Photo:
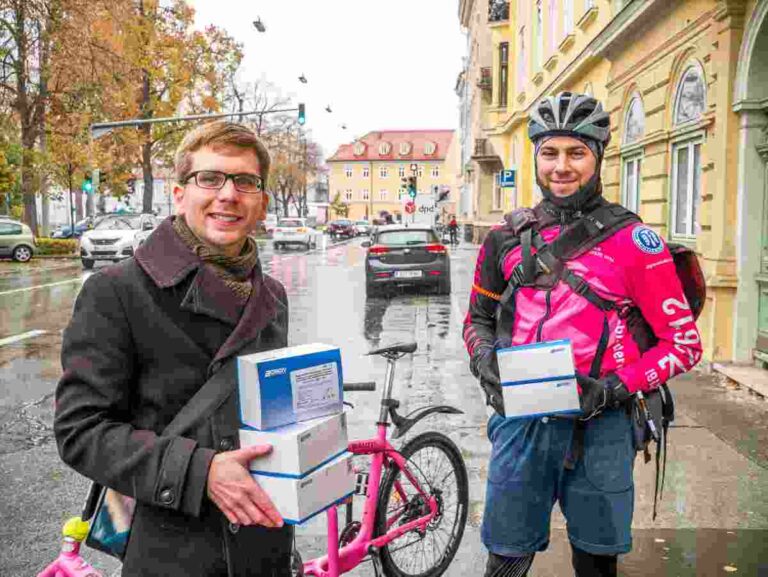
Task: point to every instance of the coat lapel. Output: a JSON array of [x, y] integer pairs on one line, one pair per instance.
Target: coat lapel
[[260, 310], [167, 261]]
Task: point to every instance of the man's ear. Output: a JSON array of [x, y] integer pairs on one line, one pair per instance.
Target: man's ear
[[178, 197]]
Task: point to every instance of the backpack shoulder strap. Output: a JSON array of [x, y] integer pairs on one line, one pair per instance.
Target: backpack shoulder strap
[[592, 229]]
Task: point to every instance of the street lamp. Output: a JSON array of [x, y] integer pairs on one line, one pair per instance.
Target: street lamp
[[303, 79], [259, 25], [328, 108]]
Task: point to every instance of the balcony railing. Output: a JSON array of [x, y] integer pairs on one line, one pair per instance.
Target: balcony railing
[[498, 11]]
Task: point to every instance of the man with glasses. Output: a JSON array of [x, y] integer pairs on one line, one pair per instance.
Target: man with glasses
[[146, 335]]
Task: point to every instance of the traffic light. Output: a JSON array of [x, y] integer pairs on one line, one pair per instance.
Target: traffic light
[[87, 185], [302, 114], [412, 186]]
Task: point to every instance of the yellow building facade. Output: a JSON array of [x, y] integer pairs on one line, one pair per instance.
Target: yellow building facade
[[686, 85], [366, 175]]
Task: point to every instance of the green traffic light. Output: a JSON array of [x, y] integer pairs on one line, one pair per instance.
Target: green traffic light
[[302, 113], [87, 185]]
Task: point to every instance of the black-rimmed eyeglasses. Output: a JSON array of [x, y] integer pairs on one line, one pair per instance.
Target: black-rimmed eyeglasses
[[215, 180]]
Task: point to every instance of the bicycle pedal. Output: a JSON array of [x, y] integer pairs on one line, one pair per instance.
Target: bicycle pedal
[[361, 484]]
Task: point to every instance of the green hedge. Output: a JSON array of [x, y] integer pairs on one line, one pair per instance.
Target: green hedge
[[56, 245]]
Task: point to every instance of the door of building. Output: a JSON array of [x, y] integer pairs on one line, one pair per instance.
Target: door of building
[[761, 346]]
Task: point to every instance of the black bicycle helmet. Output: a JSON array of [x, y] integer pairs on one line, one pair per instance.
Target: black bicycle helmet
[[570, 114]]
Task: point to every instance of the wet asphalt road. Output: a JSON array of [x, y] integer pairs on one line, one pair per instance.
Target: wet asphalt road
[[713, 519]]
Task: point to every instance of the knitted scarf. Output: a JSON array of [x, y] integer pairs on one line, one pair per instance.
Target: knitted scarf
[[234, 271]]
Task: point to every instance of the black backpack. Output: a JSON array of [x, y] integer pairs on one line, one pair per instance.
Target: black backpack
[[546, 267]]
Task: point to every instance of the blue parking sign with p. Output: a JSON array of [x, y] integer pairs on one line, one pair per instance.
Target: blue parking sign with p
[[508, 178]]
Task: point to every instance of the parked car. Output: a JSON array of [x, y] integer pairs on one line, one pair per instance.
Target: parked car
[[16, 240], [401, 255], [363, 227], [65, 231], [341, 229], [293, 231], [114, 237], [270, 222]]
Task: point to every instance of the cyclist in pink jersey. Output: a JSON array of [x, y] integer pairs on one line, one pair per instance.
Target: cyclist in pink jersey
[[598, 298]]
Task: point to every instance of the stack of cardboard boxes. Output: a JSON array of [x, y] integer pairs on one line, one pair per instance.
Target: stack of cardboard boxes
[[292, 399]]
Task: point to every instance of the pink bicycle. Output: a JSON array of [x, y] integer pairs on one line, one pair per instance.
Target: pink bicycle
[[416, 498]]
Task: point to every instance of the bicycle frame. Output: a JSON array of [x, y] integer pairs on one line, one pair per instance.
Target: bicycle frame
[[341, 560]]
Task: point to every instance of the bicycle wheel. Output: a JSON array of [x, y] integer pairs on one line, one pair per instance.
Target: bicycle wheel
[[436, 463]]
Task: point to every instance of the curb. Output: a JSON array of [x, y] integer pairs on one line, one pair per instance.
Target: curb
[[751, 377]]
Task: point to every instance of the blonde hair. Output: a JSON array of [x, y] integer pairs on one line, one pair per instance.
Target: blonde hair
[[215, 135]]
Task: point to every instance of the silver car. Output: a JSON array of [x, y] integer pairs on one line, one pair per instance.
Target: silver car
[[403, 255]]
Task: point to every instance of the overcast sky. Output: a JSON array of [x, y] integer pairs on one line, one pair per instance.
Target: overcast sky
[[388, 64]]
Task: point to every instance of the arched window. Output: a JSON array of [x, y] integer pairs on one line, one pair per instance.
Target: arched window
[[634, 124], [690, 105], [691, 97]]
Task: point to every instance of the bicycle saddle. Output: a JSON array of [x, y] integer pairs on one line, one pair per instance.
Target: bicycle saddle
[[395, 349]]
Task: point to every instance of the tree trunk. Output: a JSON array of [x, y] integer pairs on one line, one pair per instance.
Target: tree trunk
[[79, 204], [146, 147], [146, 167]]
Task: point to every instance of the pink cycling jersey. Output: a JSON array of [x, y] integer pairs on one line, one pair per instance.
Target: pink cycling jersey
[[632, 267]]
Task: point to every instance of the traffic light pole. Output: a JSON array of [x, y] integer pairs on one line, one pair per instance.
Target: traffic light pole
[[99, 129]]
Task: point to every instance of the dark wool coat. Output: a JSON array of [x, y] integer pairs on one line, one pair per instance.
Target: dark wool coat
[[144, 336]]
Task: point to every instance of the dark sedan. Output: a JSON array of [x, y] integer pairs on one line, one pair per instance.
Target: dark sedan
[[401, 255], [342, 229]]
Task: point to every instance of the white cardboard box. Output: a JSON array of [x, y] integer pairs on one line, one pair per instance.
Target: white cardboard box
[[538, 379], [298, 448], [300, 497], [288, 385]]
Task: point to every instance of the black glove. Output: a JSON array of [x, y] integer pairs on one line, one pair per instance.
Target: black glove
[[485, 367], [600, 394]]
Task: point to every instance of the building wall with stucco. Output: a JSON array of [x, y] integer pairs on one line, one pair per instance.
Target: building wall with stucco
[[686, 86]]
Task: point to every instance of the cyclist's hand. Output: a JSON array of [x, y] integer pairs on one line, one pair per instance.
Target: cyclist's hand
[[599, 394], [236, 493], [486, 367]]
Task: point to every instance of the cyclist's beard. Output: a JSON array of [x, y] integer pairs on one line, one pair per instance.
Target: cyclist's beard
[[582, 199]]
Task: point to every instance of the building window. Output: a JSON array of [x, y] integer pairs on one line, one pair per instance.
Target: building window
[[385, 148], [366, 172], [588, 4], [539, 46], [521, 59], [383, 172], [401, 171], [348, 171], [348, 194], [435, 172], [420, 172], [691, 98], [686, 188], [382, 195], [630, 183], [404, 148], [366, 194], [634, 125], [497, 192], [429, 148], [503, 72], [567, 16]]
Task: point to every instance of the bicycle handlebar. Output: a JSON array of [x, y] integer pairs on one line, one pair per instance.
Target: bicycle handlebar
[[364, 386]]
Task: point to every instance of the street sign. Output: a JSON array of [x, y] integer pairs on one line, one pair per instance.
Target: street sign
[[414, 168], [410, 207], [508, 178]]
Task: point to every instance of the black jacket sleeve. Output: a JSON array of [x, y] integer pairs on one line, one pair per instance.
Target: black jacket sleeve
[[92, 422], [488, 284]]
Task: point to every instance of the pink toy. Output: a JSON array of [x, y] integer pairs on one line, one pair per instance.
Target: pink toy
[[69, 563]]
